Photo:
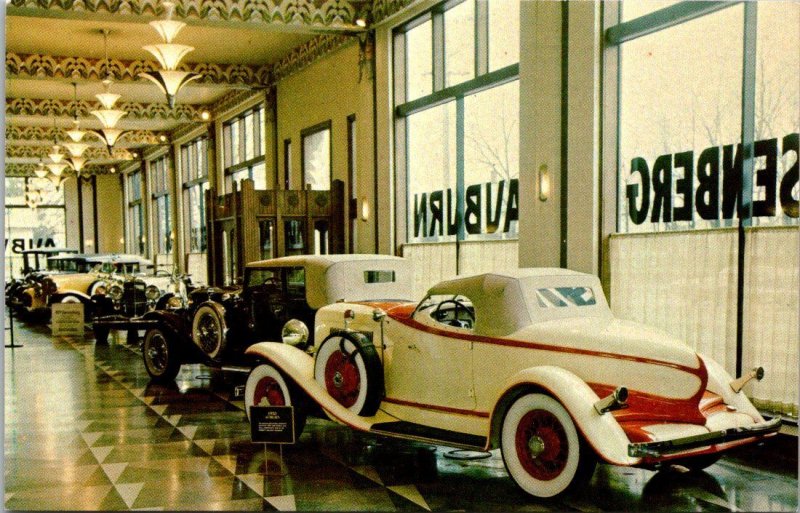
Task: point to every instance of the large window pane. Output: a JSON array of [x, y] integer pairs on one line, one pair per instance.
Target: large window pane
[[27, 228], [678, 98], [777, 114], [317, 159], [432, 174], [419, 61], [15, 191], [491, 162], [503, 33], [459, 43]]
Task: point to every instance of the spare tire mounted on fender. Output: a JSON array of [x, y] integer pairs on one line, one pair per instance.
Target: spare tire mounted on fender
[[349, 369], [209, 330]]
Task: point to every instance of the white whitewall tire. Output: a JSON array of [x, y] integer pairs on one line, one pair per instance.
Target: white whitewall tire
[[541, 446], [209, 330], [347, 366], [266, 387]]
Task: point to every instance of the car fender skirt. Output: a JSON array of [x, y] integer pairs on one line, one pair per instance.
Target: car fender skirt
[[299, 366], [602, 432]]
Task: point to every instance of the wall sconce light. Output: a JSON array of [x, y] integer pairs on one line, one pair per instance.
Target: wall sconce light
[[89, 242], [364, 209], [122, 240], [205, 115], [544, 183]]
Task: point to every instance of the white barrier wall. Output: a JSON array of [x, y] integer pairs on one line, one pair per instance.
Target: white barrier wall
[[685, 284], [197, 267], [436, 262]]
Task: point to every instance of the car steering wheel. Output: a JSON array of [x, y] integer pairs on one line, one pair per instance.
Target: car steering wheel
[[455, 321]]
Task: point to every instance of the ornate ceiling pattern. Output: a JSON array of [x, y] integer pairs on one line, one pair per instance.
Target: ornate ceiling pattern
[[314, 13], [242, 49], [74, 68], [38, 135], [61, 108], [19, 170], [40, 152]]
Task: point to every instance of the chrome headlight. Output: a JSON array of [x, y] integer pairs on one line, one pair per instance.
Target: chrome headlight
[[174, 302], [152, 293], [115, 292], [294, 333]]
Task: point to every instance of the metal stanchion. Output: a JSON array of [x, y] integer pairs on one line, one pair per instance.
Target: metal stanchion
[[10, 328]]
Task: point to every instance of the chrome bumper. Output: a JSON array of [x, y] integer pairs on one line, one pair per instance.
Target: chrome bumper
[[664, 447]]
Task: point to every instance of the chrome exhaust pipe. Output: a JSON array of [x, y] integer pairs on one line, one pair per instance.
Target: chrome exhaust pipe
[[739, 383], [617, 400]]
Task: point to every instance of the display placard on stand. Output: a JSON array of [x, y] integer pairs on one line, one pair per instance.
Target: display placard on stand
[[67, 319], [272, 424]]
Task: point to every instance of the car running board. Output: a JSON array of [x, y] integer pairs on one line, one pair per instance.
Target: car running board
[[418, 432]]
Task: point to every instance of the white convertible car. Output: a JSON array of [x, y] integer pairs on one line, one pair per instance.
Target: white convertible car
[[531, 362]]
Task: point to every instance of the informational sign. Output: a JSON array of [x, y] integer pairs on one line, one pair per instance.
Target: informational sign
[[272, 424], [67, 319]]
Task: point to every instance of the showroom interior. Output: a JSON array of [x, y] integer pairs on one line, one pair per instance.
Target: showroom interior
[[652, 146]]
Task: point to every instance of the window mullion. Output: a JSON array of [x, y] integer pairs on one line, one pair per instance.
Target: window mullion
[[438, 51], [481, 37]]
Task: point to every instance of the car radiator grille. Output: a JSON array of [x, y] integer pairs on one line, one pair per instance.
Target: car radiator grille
[[134, 301]]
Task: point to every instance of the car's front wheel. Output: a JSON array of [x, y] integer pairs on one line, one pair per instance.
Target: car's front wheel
[[542, 448], [267, 386], [161, 358]]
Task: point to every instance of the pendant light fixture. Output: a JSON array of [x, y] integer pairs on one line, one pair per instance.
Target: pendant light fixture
[[76, 147], [169, 55], [40, 171], [108, 115]]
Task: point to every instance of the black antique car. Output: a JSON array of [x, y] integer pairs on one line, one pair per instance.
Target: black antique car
[[276, 302]]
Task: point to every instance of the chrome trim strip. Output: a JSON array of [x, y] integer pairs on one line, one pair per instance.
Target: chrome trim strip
[[664, 447]]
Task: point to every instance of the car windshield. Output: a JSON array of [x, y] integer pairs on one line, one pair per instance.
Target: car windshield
[[256, 277], [452, 310]]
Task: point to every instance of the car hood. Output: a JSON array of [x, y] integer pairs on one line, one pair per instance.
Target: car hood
[[614, 336]]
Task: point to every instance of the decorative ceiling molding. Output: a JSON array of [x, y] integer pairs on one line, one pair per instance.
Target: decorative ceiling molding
[[45, 135], [72, 68], [310, 13], [51, 108], [306, 54], [16, 170], [41, 152], [382, 9], [183, 131]]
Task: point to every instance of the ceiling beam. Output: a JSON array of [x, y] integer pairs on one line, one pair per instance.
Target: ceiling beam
[[297, 15], [12, 169], [81, 68], [41, 152], [60, 108]]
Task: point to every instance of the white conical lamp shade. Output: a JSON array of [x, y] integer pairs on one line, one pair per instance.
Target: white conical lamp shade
[[109, 117], [107, 99], [77, 163], [56, 169], [168, 55], [56, 154], [76, 134], [170, 82], [40, 172], [76, 149], [57, 180], [167, 29]]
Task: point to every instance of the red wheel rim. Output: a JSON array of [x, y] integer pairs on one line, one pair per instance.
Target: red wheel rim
[[342, 379], [542, 445], [269, 388]]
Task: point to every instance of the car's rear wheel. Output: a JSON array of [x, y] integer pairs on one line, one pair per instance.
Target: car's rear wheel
[[542, 448], [209, 329], [349, 369], [161, 358], [267, 386]]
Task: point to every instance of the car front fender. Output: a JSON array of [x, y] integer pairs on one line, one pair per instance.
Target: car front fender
[[59, 296], [299, 366], [601, 431]]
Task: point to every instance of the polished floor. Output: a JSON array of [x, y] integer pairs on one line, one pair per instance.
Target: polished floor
[[84, 430]]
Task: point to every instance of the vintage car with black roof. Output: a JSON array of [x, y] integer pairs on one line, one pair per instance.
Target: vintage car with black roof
[[529, 361], [278, 297]]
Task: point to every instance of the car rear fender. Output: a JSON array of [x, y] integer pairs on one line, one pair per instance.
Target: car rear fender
[[602, 432], [299, 366]]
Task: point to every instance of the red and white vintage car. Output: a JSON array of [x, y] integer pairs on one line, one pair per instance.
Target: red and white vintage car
[[531, 361]]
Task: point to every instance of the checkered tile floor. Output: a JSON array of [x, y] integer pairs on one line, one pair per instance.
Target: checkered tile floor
[[85, 430]]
